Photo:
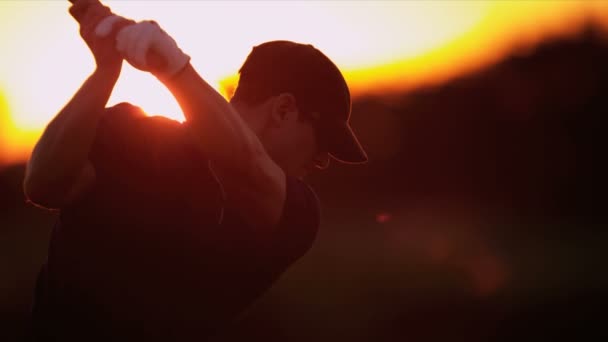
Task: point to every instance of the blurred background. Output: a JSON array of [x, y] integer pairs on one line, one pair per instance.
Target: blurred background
[[480, 215]]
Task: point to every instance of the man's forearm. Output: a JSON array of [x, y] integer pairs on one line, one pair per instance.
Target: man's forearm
[[62, 150], [219, 130]]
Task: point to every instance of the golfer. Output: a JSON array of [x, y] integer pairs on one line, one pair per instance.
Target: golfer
[[167, 230]]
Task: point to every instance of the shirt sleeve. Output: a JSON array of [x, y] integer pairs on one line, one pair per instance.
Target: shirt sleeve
[[127, 141], [298, 225]]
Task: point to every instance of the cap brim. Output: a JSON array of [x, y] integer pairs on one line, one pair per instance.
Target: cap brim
[[345, 147]]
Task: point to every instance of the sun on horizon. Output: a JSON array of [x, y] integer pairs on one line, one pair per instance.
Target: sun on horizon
[[381, 46]]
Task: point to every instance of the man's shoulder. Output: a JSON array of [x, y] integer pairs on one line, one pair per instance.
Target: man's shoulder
[[127, 125], [125, 113], [121, 113], [126, 107], [130, 142]]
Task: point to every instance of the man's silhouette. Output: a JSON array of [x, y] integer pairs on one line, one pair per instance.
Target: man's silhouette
[[167, 231]]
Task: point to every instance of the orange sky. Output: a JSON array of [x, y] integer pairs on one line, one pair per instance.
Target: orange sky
[[380, 46]]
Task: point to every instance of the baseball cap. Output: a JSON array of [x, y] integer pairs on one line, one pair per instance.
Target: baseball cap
[[317, 84]]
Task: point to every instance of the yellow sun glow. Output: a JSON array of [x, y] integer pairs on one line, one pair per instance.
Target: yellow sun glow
[[380, 46]]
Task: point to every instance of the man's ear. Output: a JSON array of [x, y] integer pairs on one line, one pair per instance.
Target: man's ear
[[284, 108]]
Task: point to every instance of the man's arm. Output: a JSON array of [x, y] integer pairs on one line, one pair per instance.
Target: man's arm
[[58, 169], [253, 182]]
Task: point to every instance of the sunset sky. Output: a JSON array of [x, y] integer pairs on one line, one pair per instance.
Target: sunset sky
[[380, 46]]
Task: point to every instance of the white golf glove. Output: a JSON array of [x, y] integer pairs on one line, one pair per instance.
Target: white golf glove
[[105, 26], [147, 47]]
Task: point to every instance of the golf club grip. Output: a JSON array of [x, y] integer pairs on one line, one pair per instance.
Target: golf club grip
[[155, 61]]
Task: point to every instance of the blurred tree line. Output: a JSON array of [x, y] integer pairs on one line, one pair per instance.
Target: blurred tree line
[[479, 217]]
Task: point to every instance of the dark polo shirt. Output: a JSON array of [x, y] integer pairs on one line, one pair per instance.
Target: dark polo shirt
[[151, 252]]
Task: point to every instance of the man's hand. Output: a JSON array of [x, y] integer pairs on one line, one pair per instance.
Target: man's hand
[[98, 28], [148, 47]]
